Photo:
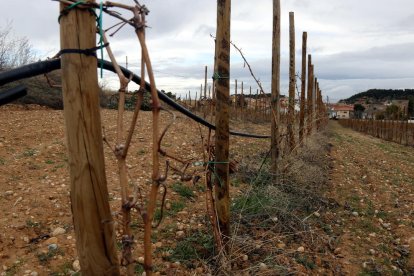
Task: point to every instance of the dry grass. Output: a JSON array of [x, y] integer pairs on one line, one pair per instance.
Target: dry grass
[[277, 214]]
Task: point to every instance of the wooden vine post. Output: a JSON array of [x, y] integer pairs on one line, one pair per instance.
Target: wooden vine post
[[292, 84], [93, 223], [250, 101], [221, 162], [275, 105], [235, 99], [309, 95], [314, 99], [315, 103], [241, 101], [205, 82], [205, 106], [303, 89], [318, 106]]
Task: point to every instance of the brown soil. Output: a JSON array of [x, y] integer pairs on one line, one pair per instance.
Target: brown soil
[[369, 231], [373, 181], [34, 188]]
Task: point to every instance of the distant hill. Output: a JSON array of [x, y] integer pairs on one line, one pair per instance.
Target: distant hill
[[381, 95]]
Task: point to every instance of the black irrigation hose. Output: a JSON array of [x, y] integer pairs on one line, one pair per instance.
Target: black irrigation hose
[[12, 94], [46, 66]]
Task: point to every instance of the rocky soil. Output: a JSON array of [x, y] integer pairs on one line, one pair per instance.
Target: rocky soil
[[37, 237], [362, 225], [373, 181]]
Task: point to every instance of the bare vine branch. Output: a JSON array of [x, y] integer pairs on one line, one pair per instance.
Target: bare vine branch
[[251, 72]]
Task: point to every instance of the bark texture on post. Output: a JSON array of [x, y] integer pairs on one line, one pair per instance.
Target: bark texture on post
[[309, 99], [275, 142], [221, 182], [93, 223], [292, 84], [303, 89]]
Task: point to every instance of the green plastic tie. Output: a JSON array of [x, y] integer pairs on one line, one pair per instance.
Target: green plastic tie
[[99, 20], [214, 170], [218, 162], [68, 8], [217, 76]]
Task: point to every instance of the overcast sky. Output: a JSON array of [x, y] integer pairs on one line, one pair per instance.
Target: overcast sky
[[355, 44]]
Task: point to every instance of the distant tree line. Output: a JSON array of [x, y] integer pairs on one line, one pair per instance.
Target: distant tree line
[[381, 95]]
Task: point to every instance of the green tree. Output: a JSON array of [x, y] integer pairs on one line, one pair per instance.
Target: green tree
[[169, 94], [410, 110], [359, 110], [393, 112]]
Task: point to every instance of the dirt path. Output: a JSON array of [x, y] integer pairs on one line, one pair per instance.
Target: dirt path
[[373, 181]]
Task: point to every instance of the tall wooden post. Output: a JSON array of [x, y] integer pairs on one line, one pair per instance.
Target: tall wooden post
[[241, 101], [213, 90], [309, 96], [257, 100], [205, 82], [275, 102], [292, 84], [263, 104], [256, 108], [235, 99], [93, 223], [317, 106], [250, 101], [221, 182], [320, 106], [315, 103], [303, 89]]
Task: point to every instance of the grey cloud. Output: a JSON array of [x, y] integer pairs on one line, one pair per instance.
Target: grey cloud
[[204, 30], [341, 89], [391, 61], [180, 44]]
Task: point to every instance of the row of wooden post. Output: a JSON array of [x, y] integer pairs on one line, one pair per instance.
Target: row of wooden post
[[92, 218], [401, 132], [253, 107], [314, 113], [312, 109]]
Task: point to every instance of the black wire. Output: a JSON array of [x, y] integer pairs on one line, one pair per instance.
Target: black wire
[[46, 66], [87, 52], [12, 94]]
